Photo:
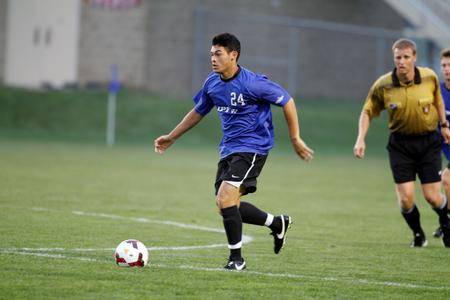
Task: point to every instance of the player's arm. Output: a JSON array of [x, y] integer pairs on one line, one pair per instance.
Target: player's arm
[[290, 114], [445, 131], [191, 119], [363, 128]]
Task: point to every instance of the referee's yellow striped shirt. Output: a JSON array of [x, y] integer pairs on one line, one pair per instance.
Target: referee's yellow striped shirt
[[412, 108]]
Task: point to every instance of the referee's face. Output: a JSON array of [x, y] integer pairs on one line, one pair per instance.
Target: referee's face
[[404, 60], [221, 60], [445, 68]]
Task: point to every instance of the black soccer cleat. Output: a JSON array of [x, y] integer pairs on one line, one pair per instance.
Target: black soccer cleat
[[235, 265], [280, 238], [438, 232], [419, 240], [446, 236]]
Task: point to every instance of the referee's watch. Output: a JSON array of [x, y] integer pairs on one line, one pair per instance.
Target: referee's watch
[[444, 124]]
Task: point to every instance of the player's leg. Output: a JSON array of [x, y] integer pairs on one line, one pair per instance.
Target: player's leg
[[432, 194], [446, 185], [278, 224], [227, 201], [231, 173], [252, 165], [410, 212]]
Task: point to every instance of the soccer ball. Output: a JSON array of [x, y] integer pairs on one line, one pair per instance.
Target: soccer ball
[[131, 253]]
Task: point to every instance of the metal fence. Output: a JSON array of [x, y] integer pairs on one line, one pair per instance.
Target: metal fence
[[311, 58]]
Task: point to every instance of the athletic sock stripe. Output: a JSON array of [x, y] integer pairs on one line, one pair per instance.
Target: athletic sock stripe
[[235, 246]]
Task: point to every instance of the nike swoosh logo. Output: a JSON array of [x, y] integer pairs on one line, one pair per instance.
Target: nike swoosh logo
[[234, 176], [240, 267], [283, 229]]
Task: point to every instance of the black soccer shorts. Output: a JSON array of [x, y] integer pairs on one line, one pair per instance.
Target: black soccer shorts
[[411, 155], [243, 168]]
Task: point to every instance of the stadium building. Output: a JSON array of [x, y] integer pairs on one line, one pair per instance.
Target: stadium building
[[316, 48]]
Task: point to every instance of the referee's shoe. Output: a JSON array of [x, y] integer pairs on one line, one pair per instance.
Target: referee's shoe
[[279, 238]]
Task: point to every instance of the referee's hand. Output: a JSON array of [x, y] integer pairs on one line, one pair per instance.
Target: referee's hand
[[359, 149], [445, 131]]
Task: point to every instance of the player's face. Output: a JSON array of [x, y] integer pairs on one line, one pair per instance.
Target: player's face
[[445, 68], [221, 60], [404, 60]]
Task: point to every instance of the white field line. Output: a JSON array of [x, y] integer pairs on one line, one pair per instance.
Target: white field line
[[173, 248], [245, 238], [245, 273]]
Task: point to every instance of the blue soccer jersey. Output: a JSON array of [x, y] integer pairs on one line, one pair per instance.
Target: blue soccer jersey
[[446, 96], [243, 104]]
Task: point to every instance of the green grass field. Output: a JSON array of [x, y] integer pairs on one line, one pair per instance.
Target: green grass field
[[64, 206]]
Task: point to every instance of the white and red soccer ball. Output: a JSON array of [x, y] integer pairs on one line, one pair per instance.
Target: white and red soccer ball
[[131, 253]]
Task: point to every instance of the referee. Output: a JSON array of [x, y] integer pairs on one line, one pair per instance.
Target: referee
[[412, 97]]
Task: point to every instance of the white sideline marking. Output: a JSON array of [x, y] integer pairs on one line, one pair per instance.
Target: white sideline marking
[[58, 256], [243, 273], [245, 238], [174, 248]]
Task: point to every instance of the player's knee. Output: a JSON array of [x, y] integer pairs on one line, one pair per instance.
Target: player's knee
[[406, 201], [223, 202], [446, 181]]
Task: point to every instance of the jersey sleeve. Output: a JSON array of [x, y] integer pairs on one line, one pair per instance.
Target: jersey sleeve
[[266, 90], [203, 104], [438, 99], [374, 102]]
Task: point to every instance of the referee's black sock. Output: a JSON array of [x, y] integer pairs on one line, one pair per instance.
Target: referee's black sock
[[252, 215], [233, 228], [412, 217], [442, 213]]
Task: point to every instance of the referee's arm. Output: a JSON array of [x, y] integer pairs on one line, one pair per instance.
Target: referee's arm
[[363, 128], [443, 123]]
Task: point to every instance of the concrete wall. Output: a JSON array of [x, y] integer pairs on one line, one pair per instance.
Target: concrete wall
[[329, 65], [113, 37], [157, 45]]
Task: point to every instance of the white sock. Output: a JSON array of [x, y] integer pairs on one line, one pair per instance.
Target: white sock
[[269, 220]]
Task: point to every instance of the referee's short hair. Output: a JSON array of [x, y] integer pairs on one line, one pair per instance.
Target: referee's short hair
[[445, 52], [228, 41], [404, 43]]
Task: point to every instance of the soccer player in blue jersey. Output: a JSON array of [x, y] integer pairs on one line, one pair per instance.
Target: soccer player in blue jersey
[[445, 91], [242, 100]]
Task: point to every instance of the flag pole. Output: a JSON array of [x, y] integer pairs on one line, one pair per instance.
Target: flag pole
[[114, 86]]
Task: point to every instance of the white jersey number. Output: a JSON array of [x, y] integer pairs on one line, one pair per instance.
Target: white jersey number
[[237, 99]]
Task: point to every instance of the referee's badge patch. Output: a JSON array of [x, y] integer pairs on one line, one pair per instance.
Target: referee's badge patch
[[393, 106]]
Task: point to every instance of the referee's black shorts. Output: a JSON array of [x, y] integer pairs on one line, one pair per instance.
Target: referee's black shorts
[[242, 169], [418, 154]]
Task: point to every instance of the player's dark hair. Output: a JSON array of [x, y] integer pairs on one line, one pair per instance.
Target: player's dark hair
[[404, 43], [229, 41], [445, 52]]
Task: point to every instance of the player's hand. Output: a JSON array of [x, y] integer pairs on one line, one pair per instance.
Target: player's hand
[[162, 143], [445, 131], [359, 149], [302, 149]]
